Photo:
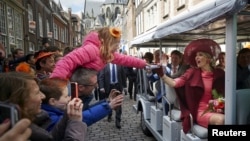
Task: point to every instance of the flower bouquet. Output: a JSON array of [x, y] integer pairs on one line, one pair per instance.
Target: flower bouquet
[[217, 104]]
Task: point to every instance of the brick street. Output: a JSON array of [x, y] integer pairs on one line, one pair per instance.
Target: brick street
[[130, 131]]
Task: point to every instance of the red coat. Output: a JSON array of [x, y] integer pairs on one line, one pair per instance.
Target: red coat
[[191, 93]]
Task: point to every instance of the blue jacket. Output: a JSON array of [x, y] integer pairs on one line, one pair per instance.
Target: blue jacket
[[91, 115]]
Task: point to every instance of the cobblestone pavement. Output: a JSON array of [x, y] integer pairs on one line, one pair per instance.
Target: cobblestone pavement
[[130, 131]]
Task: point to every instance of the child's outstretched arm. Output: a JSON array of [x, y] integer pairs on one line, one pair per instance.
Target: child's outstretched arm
[[128, 61]]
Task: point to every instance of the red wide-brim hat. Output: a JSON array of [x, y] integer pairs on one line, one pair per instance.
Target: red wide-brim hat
[[201, 45]]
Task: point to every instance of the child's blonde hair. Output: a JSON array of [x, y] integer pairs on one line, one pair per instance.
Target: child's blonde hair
[[108, 36]]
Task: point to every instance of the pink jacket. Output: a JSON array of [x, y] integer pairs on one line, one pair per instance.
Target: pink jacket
[[88, 56]]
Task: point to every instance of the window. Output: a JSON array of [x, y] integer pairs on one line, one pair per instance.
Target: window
[[139, 24], [3, 31], [181, 3], [19, 30], [30, 15], [166, 7], [147, 18], [40, 24], [47, 24], [151, 17], [31, 47], [55, 31], [10, 20], [62, 35], [19, 44], [137, 3], [18, 26], [65, 35]]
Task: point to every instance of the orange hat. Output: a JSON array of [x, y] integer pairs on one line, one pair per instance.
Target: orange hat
[[204, 45], [43, 54], [23, 67], [115, 32]]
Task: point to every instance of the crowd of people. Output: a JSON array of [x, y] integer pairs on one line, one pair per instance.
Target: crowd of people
[[39, 84]]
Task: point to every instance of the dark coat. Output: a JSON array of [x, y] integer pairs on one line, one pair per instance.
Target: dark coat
[[191, 93], [242, 77], [104, 78], [131, 73]]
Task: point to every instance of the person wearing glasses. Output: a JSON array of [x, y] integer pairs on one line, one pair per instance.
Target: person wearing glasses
[[87, 82], [57, 98]]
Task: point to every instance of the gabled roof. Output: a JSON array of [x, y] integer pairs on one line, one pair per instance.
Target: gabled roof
[[60, 5]]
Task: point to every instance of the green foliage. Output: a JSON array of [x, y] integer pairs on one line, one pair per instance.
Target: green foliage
[[215, 94]]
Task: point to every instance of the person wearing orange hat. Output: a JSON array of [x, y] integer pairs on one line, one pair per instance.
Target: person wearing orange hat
[[194, 88], [98, 49], [45, 63]]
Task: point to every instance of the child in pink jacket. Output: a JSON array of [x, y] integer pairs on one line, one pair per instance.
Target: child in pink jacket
[[98, 49]]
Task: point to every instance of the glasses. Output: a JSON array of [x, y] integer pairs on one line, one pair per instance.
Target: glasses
[[89, 85]]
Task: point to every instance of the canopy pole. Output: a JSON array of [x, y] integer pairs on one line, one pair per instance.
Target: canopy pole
[[230, 79]]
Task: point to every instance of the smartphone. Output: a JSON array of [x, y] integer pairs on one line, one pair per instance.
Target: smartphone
[[9, 111], [74, 90]]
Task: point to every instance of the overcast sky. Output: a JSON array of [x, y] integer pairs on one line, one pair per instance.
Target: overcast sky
[[77, 6]]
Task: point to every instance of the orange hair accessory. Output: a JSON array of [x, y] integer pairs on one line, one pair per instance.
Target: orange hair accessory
[[23, 67], [115, 32]]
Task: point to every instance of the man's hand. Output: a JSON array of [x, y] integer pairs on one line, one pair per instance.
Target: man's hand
[[116, 102], [113, 94]]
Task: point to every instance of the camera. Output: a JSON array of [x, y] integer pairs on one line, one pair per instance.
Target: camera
[[9, 111]]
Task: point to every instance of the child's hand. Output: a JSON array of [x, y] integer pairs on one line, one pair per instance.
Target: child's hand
[[74, 109]]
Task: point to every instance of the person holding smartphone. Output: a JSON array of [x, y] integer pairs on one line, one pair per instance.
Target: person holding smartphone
[[57, 97], [22, 89]]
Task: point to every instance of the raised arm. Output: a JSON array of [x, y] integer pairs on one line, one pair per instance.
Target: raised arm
[[169, 81]]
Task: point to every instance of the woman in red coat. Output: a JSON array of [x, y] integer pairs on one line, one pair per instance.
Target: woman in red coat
[[194, 88]]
